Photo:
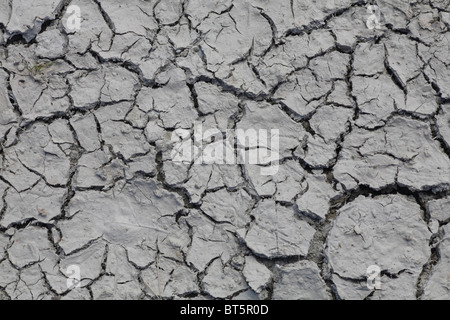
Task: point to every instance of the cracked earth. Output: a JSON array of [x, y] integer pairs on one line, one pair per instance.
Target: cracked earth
[[87, 180]]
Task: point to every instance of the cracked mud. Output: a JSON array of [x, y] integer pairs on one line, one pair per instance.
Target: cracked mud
[[89, 187]]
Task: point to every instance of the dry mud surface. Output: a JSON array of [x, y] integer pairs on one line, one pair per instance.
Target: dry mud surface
[[89, 189]]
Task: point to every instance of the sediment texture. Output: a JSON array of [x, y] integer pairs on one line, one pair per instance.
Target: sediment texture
[[87, 178]]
